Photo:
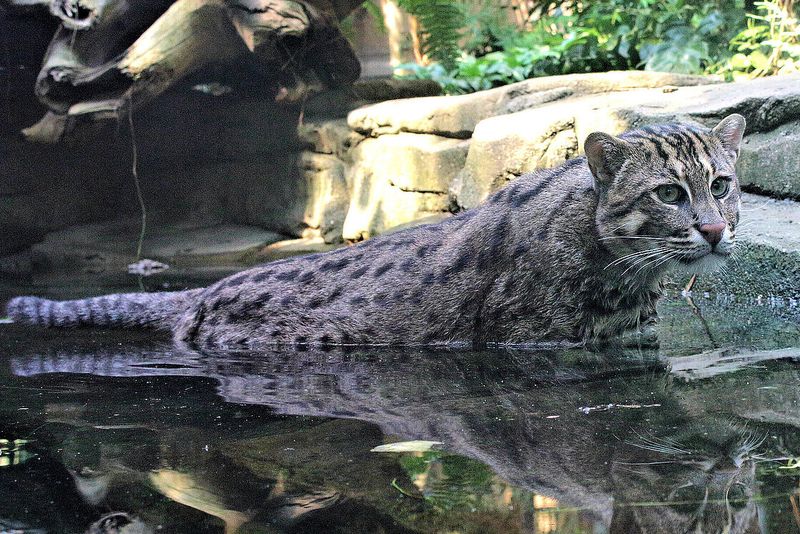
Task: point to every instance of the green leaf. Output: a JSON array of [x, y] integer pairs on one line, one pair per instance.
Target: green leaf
[[740, 62], [758, 59]]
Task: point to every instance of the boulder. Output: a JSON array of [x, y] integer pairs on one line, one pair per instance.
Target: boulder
[[507, 145], [27, 217], [326, 196], [772, 223], [297, 194], [380, 89], [329, 137], [457, 116], [290, 247], [111, 246], [770, 161], [395, 179]]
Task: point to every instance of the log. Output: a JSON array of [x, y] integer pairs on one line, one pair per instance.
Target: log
[[108, 54], [723, 361], [20, 7]]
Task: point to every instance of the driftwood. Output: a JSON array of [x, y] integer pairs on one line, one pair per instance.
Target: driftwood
[[108, 54], [722, 361]]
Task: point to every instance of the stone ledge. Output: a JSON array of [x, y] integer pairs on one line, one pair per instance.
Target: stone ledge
[[769, 105], [457, 116], [770, 222], [770, 161], [111, 246]]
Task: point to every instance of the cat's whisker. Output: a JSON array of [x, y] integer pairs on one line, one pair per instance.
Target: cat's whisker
[[628, 256], [645, 463], [651, 238], [611, 231], [661, 449], [639, 260], [655, 444], [656, 254], [653, 264]]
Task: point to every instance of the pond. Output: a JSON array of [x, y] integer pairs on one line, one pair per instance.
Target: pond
[[108, 429]]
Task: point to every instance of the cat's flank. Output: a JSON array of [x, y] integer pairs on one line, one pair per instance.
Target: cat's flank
[[575, 253]]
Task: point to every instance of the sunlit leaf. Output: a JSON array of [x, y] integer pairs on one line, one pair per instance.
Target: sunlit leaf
[[407, 446]]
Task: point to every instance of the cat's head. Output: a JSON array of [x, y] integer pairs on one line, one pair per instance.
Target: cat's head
[[699, 479], [668, 195]]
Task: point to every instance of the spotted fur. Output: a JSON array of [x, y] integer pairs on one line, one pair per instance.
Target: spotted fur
[[573, 253]]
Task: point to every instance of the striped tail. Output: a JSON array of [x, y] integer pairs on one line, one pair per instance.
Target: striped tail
[[148, 310]]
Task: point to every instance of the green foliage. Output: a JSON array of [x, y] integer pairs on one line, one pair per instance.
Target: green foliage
[[769, 45], [441, 23], [452, 482], [491, 70], [374, 10], [673, 35], [680, 36]]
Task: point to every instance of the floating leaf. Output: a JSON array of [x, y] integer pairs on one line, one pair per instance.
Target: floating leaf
[[408, 446]]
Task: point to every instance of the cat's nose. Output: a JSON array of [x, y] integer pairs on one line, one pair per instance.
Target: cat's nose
[[712, 232]]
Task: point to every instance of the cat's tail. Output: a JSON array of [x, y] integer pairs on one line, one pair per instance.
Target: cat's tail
[[148, 310]]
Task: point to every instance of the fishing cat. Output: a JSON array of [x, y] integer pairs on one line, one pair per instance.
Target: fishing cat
[[574, 253]]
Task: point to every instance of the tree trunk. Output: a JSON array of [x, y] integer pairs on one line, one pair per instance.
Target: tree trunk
[[109, 54]]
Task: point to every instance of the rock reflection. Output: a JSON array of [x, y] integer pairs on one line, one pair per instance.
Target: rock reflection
[[667, 453]]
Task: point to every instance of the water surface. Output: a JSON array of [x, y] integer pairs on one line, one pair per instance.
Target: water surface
[[703, 431]]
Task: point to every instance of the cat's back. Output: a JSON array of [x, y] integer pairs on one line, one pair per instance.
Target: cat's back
[[337, 297], [548, 197]]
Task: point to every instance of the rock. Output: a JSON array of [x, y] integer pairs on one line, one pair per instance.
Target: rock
[[279, 192], [301, 195], [329, 137], [339, 102], [375, 216], [506, 145], [290, 247], [26, 218], [430, 219], [770, 161], [766, 103], [380, 89], [396, 179], [111, 246], [457, 116], [770, 222], [326, 196], [16, 265]]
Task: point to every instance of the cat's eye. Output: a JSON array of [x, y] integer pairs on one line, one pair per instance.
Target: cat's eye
[[670, 193], [720, 187]]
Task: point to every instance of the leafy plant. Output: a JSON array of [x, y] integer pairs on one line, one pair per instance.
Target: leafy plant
[[769, 45], [441, 23], [665, 35], [491, 70]]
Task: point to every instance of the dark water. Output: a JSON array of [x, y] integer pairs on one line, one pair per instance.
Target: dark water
[[703, 433]]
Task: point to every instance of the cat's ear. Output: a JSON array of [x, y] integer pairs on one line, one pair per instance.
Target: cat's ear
[[730, 131], [606, 155]]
